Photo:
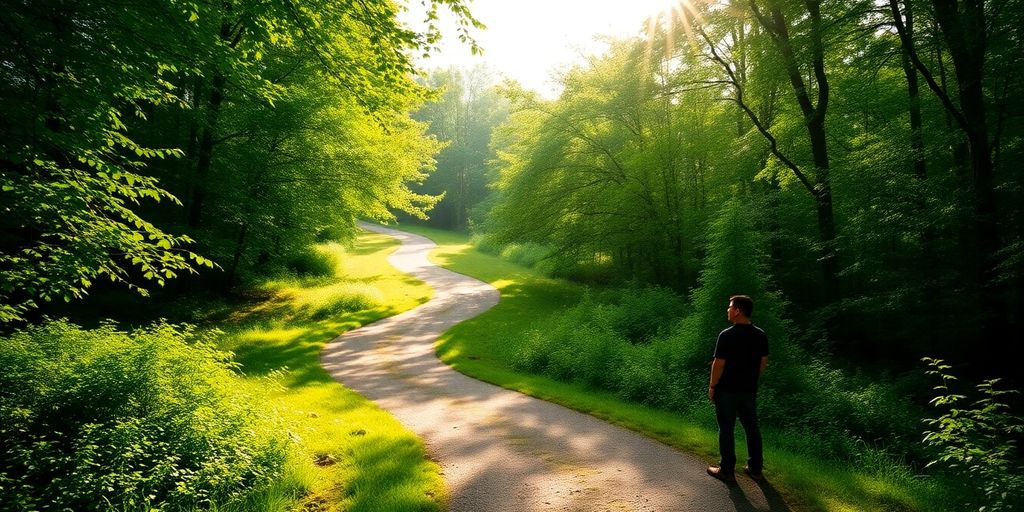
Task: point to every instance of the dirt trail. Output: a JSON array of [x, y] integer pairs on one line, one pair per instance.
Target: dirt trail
[[501, 450]]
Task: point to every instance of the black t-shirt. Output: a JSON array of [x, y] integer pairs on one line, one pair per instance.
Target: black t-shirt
[[742, 347]]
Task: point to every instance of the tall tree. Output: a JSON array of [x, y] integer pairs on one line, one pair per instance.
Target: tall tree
[[967, 29], [467, 109], [80, 81], [796, 52], [614, 173]]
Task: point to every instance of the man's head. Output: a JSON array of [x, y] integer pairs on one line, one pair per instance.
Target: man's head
[[740, 308]]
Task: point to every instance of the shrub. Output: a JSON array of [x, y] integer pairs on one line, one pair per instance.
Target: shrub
[[640, 378], [152, 419], [978, 441], [342, 299], [646, 312], [579, 346], [525, 254], [487, 243], [311, 262]]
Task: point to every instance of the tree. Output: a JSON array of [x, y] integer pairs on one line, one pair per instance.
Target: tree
[[82, 81], [799, 47], [462, 116], [71, 175], [966, 29], [615, 173]]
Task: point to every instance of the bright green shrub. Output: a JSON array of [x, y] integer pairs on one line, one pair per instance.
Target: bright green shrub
[[311, 263], [152, 419], [487, 243], [579, 346], [591, 344], [525, 254]]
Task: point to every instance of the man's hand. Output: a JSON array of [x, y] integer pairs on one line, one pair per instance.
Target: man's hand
[[717, 369]]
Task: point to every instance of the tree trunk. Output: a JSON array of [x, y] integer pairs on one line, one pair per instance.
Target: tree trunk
[[826, 218], [814, 118], [964, 31], [205, 152], [239, 249], [914, 98], [191, 147]]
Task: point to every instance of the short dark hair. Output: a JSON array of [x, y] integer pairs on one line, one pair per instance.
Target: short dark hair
[[744, 303]]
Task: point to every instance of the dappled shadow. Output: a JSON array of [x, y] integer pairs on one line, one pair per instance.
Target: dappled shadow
[[502, 450], [295, 353], [369, 245]]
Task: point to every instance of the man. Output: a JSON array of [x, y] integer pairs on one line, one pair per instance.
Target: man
[[741, 356]]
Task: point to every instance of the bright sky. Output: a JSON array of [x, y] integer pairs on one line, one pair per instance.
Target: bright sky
[[528, 40]]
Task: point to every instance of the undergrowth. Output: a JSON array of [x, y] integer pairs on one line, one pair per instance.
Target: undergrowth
[[149, 419]]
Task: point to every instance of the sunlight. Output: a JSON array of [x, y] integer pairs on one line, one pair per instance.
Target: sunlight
[[655, 7], [560, 38], [663, 14], [661, 20]]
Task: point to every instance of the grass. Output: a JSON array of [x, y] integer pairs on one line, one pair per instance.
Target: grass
[[351, 455], [483, 346]]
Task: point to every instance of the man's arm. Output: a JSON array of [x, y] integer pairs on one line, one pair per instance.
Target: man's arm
[[717, 367], [764, 364]]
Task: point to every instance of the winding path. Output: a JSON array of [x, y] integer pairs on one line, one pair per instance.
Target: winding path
[[500, 450]]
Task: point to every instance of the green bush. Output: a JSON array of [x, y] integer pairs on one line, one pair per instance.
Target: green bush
[[486, 243], [152, 419], [639, 377], [978, 440], [617, 340], [643, 313], [311, 263], [525, 254], [594, 343]]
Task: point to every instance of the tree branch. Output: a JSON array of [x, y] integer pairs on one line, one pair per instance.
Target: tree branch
[[772, 143], [908, 44]]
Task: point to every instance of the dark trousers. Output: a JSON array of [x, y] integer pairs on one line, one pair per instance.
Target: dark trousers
[[729, 406]]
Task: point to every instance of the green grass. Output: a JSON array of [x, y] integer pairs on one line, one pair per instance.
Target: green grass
[[351, 455], [483, 347]]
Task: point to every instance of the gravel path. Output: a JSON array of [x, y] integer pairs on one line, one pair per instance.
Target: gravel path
[[500, 450]]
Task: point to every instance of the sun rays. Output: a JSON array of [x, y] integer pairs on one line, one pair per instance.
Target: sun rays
[[663, 23]]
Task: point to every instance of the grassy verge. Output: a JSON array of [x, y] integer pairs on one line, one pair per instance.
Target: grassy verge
[[351, 455], [483, 347]]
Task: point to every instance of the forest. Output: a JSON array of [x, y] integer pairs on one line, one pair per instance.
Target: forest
[[848, 164], [852, 165]]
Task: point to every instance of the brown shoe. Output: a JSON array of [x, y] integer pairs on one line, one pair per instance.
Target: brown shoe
[[725, 476], [756, 475]]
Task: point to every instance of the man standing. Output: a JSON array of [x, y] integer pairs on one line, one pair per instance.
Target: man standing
[[741, 356]]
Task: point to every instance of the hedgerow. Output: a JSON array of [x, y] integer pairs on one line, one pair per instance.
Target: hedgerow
[[150, 419]]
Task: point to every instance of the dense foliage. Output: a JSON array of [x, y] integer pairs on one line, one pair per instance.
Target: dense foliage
[[462, 116], [152, 419], [979, 438], [648, 345], [848, 164], [132, 129], [891, 238], [142, 141]]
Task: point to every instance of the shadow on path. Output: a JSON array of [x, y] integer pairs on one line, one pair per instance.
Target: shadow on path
[[500, 450]]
